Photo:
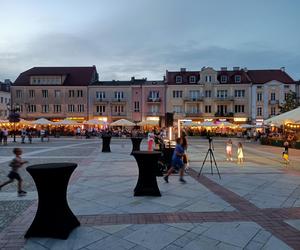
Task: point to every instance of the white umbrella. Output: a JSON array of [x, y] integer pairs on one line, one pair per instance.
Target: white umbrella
[[42, 121], [148, 122], [4, 121], [123, 122], [207, 124], [247, 126], [292, 116], [225, 124], [22, 121], [95, 122], [66, 122]]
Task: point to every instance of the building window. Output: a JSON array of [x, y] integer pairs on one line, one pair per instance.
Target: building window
[[119, 95], [239, 108], [1, 99], [80, 107], [223, 79], [239, 93], [136, 106], [71, 93], [178, 79], [259, 87], [31, 93], [273, 111], [192, 79], [154, 109], [194, 94], [57, 93], [100, 95], [31, 108], [177, 109], [207, 108], [177, 93], [222, 109], [79, 93], [45, 108], [193, 109], [119, 109], [259, 97], [45, 93], [222, 93], [71, 108], [286, 86], [259, 111], [154, 94], [57, 108], [208, 78], [19, 93], [237, 79], [208, 93], [273, 96], [100, 109]]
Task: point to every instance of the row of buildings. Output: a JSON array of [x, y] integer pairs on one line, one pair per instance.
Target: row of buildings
[[237, 95]]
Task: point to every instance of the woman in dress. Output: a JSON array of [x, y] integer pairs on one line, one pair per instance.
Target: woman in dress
[[240, 154], [150, 140], [229, 150]]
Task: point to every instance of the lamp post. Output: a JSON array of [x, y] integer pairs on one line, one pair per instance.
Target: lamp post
[[14, 116]]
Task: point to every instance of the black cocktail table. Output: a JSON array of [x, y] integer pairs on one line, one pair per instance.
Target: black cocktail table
[[106, 143], [53, 218], [147, 163], [136, 143]]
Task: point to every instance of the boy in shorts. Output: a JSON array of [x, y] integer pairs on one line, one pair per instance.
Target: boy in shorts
[[177, 162], [15, 164]]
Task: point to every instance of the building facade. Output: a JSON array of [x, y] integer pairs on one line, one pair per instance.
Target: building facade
[[238, 95], [4, 99], [54, 93]]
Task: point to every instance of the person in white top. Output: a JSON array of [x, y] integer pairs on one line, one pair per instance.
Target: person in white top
[[5, 135], [240, 154]]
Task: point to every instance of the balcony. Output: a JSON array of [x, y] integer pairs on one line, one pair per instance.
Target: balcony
[[151, 113], [193, 99], [153, 99], [114, 114], [224, 98], [193, 114], [118, 100], [273, 102], [220, 114], [101, 100]]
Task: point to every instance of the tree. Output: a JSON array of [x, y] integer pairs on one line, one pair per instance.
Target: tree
[[290, 102]]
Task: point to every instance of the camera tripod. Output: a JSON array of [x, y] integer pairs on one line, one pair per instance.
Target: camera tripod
[[211, 157]]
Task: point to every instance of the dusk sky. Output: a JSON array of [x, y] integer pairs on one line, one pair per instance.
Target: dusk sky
[[143, 38]]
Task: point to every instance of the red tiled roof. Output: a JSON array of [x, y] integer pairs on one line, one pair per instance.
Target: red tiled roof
[[75, 76], [171, 76], [267, 75], [231, 76]]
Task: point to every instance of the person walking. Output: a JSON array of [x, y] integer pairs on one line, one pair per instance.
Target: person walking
[[15, 165], [229, 150], [23, 135], [5, 136], [185, 147], [177, 162], [150, 140], [42, 133], [240, 154], [285, 154]]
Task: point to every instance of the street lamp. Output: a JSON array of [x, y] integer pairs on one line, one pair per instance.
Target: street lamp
[[14, 116]]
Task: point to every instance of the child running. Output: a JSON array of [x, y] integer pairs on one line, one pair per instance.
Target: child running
[[240, 154], [15, 164], [177, 162]]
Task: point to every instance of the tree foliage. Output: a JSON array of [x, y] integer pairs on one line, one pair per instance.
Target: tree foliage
[[290, 102]]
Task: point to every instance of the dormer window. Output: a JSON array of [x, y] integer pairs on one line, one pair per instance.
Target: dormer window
[[178, 79], [237, 79], [208, 78], [223, 79], [192, 79]]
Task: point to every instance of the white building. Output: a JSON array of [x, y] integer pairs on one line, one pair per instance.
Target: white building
[[4, 99]]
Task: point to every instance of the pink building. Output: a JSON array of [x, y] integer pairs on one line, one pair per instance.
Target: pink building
[[148, 100]]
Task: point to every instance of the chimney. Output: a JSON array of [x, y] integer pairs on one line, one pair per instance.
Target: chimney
[[132, 78], [236, 68], [223, 68], [245, 69], [7, 81], [282, 69], [183, 69]]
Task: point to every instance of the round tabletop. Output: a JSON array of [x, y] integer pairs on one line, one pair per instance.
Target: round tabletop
[[54, 165], [146, 152]]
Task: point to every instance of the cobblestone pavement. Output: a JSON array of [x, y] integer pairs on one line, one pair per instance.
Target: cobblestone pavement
[[253, 206]]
